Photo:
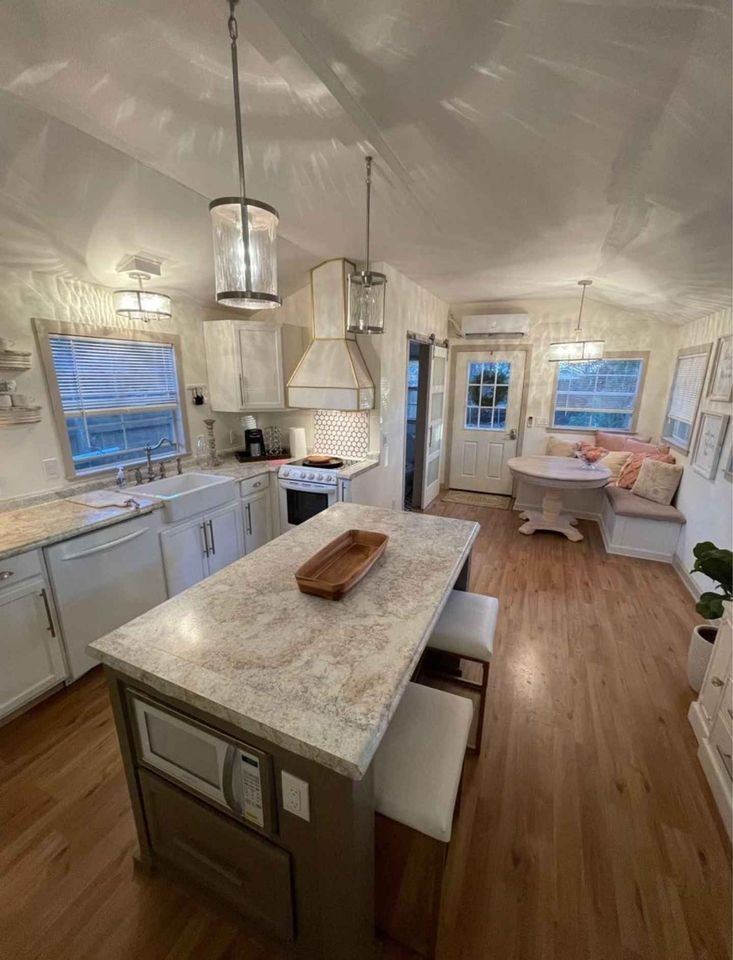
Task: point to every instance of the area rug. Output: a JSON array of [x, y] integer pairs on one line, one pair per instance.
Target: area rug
[[495, 500]]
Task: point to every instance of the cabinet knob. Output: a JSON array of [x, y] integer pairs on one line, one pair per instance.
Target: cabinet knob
[[717, 682], [6, 574]]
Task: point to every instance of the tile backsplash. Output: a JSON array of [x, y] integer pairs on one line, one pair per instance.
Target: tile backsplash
[[341, 434]]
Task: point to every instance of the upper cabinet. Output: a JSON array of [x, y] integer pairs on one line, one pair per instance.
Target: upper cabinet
[[249, 363]]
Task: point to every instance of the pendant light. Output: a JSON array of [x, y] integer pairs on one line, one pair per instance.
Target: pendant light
[[577, 349], [366, 287], [245, 230], [141, 305]]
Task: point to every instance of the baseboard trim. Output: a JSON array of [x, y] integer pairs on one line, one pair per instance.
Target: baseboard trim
[[685, 577]]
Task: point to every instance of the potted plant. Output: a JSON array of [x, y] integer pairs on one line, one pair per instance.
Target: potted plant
[[716, 564]]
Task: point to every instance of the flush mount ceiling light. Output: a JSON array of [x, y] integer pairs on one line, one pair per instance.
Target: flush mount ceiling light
[[577, 349], [366, 287], [245, 230], [141, 306]]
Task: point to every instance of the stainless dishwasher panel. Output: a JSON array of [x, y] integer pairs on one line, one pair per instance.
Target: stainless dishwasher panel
[[104, 579]]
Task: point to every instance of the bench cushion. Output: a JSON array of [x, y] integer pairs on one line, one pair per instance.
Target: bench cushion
[[466, 626], [417, 767], [627, 504]]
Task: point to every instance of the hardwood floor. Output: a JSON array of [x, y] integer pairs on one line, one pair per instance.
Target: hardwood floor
[[586, 829]]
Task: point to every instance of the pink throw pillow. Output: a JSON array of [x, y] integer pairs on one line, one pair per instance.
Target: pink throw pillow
[[636, 446], [611, 441], [630, 470]]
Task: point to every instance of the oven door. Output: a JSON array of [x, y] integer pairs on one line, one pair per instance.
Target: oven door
[[300, 500]]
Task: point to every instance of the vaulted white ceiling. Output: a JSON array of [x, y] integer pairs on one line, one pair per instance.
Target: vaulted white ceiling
[[521, 144]]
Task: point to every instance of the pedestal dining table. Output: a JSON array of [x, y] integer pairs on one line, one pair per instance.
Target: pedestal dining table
[[555, 474]]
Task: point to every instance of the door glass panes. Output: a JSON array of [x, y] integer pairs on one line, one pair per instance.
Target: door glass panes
[[487, 395]]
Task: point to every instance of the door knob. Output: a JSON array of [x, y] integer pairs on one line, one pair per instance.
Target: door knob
[[512, 434]]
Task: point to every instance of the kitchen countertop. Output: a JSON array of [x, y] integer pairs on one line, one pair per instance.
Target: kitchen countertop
[[320, 678], [55, 520]]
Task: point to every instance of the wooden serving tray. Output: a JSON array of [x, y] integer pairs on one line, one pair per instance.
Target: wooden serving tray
[[341, 564]]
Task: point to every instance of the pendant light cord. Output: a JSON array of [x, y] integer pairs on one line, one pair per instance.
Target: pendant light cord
[[368, 206], [583, 284], [234, 36]]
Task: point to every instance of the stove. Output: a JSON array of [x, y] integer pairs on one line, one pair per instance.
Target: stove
[[306, 490]]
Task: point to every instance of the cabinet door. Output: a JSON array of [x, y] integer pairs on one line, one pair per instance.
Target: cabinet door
[[226, 543], [261, 356], [256, 517], [717, 673], [222, 363], [30, 653], [184, 555]]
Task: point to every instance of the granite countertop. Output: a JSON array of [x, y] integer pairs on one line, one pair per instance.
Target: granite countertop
[[320, 678], [47, 523]]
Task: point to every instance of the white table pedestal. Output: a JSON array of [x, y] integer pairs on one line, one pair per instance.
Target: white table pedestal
[[550, 517], [555, 474]]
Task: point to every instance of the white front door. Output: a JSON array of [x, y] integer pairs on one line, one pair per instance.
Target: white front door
[[434, 420], [486, 404]]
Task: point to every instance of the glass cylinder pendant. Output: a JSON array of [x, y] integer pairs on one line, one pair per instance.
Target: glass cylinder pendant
[[245, 267], [142, 306], [366, 302]]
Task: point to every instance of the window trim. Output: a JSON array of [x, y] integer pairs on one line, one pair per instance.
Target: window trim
[[642, 355], [43, 328], [702, 350]]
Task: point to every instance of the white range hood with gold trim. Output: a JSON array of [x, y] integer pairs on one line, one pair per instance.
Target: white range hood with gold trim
[[332, 374]]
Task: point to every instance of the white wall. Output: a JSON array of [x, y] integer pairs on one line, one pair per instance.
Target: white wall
[[407, 307], [25, 294], [707, 504]]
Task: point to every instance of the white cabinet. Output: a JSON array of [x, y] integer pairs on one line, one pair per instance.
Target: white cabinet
[[31, 660], [249, 363], [196, 548], [711, 716], [256, 516]]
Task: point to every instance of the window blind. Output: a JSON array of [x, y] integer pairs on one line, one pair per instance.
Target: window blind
[[686, 388], [96, 374]]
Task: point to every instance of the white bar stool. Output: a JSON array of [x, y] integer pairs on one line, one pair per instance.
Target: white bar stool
[[417, 775], [466, 629]]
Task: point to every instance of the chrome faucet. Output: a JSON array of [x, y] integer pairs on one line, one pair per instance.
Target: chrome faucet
[[157, 446]]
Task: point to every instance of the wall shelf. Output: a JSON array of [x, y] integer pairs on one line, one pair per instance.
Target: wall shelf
[[14, 360], [13, 415]]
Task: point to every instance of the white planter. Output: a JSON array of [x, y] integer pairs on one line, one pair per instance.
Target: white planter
[[698, 656]]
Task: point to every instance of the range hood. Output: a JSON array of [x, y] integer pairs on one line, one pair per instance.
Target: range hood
[[331, 374]]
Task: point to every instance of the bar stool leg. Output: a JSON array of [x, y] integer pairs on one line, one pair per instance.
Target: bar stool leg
[[481, 708]]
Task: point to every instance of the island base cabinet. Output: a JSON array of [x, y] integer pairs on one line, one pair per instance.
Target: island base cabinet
[[250, 874], [30, 654]]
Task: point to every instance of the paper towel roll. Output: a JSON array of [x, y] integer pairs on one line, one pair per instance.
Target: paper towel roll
[[297, 443]]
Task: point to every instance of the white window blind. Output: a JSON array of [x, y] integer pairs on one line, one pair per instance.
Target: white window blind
[[686, 388], [99, 374]]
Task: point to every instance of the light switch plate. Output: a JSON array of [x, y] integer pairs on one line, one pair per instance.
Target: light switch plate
[[296, 796], [51, 468]]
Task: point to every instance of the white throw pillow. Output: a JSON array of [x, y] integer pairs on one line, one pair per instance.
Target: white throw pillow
[[657, 481], [615, 462], [556, 447]]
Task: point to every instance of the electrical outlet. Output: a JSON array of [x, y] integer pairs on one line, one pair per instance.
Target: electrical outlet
[[296, 798], [51, 468]]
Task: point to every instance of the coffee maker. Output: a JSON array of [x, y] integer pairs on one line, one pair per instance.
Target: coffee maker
[[254, 443]]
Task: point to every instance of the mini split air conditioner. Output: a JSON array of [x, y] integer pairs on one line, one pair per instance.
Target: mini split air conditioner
[[505, 326]]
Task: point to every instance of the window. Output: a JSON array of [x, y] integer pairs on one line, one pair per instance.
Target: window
[[113, 394], [598, 394], [413, 377], [684, 395], [487, 393]]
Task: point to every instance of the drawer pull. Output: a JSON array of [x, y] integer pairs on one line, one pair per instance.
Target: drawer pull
[[6, 574], [257, 483], [191, 850], [717, 682]]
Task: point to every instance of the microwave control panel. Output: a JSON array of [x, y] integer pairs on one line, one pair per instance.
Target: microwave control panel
[[251, 782]]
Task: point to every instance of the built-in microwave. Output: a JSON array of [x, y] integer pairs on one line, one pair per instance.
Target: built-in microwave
[[234, 775]]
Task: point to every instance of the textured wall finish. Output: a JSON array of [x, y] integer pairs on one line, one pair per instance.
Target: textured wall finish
[[341, 433]]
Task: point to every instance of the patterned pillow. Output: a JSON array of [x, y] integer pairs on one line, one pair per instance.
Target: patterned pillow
[[615, 461], [630, 471], [592, 452], [657, 481], [557, 447]]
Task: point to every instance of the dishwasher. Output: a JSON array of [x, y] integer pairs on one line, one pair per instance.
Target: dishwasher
[[104, 579]]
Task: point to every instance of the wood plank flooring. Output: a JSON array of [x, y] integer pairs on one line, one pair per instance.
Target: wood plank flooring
[[586, 829]]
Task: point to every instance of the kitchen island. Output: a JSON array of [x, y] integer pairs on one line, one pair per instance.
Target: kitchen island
[[304, 687]]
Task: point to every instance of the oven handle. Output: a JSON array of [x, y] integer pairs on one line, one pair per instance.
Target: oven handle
[[306, 487]]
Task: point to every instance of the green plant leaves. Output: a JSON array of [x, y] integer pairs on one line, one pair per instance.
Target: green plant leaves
[[716, 564], [710, 605]]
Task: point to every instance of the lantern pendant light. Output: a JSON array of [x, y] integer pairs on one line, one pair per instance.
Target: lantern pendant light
[[141, 305], [577, 349], [366, 287], [245, 230]]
